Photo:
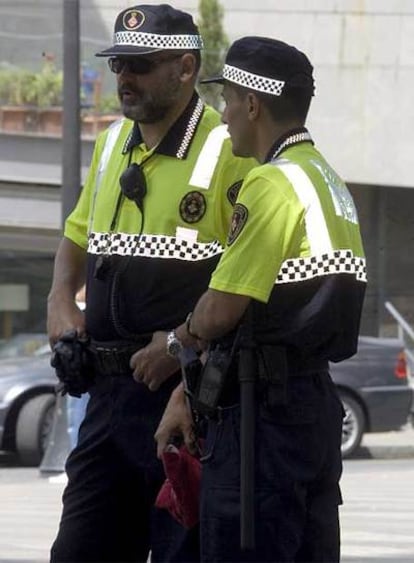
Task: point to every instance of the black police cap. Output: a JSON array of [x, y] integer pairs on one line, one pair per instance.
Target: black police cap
[[266, 65], [146, 29]]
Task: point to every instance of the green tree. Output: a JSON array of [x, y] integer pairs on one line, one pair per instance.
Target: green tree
[[19, 86], [47, 86], [216, 43]]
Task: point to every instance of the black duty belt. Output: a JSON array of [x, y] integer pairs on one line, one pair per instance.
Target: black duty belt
[[304, 369], [300, 366], [112, 358]]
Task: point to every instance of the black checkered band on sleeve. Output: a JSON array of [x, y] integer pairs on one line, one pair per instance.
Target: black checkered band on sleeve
[[152, 246], [157, 41], [336, 262], [253, 81]]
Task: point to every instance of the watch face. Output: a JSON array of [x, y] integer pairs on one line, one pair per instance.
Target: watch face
[[174, 346]]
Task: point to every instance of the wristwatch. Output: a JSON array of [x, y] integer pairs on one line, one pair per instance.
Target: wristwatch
[[174, 345]]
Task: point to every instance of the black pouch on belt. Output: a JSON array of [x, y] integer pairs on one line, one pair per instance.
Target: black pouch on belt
[[211, 381]]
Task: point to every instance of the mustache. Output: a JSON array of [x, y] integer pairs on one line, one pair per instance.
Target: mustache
[[127, 88]]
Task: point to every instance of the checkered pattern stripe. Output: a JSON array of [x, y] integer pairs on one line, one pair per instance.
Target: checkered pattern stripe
[[157, 41], [253, 81], [191, 127], [152, 246], [337, 262]]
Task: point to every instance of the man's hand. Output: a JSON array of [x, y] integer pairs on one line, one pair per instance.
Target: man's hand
[[176, 421], [152, 365]]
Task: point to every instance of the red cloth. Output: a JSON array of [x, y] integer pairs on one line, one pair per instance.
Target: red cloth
[[180, 493]]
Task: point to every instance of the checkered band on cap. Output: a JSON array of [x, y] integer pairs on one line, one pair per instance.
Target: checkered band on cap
[[253, 81], [336, 262], [157, 41], [152, 246]]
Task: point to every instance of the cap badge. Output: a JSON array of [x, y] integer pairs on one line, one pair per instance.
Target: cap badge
[[238, 221], [192, 207], [133, 19]]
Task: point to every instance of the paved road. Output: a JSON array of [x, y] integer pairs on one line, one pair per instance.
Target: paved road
[[377, 516]]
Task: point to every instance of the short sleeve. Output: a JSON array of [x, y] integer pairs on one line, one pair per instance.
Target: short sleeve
[[265, 230], [76, 225]]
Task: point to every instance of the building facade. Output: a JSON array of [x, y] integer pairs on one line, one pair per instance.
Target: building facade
[[361, 119]]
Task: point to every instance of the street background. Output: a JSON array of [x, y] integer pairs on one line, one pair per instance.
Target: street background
[[377, 517]]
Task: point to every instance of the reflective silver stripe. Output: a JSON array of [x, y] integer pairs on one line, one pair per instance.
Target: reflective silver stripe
[[111, 138], [152, 246], [336, 262], [341, 198], [316, 228], [207, 159]]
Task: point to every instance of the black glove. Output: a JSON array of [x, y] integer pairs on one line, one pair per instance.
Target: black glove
[[72, 362]]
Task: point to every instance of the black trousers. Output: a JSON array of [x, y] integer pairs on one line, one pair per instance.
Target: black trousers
[[114, 477], [298, 467]]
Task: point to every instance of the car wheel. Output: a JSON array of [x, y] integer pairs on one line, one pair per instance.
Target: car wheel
[[33, 428], [353, 425]]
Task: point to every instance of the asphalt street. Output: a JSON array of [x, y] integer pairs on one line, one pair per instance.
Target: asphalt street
[[377, 517]]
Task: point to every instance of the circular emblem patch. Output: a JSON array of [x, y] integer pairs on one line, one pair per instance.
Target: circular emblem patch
[[133, 19], [192, 207], [238, 221], [233, 192]]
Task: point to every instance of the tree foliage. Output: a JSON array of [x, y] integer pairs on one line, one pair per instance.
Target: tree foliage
[[19, 86], [216, 43]]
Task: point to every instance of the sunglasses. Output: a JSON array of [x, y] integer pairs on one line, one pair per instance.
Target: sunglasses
[[137, 65]]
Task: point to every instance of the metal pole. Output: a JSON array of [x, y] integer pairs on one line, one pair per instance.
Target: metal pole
[[71, 154], [59, 446], [382, 258]]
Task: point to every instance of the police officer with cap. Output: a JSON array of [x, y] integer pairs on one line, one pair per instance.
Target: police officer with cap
[[145, 236], [293, 274]]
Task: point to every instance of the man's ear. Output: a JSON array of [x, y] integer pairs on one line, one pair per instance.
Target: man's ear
[[253, 106], [188, 67]]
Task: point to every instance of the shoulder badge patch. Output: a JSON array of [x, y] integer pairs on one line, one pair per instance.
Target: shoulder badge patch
[[192, 207], [233, 192], [238, 221]]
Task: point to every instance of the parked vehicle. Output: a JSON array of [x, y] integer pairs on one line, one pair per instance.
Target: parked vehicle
[[374, 386], [376, 390], [23, 344], [27, 403]]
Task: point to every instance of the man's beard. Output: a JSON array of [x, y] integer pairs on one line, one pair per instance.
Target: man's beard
[[150, 107]]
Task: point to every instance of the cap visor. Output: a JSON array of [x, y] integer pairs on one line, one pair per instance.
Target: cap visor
[[216, 79], [126, 50]]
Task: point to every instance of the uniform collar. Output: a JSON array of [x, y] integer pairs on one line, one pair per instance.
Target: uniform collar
[[288, 139], [178, 139]]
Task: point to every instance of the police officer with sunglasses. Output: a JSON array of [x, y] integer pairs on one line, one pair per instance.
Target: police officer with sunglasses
[[146, 234]]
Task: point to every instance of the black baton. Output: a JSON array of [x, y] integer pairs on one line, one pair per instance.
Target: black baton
[[247, 445]]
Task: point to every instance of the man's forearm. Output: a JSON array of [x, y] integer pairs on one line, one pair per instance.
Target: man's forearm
[[215, 314], [69, 271]]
